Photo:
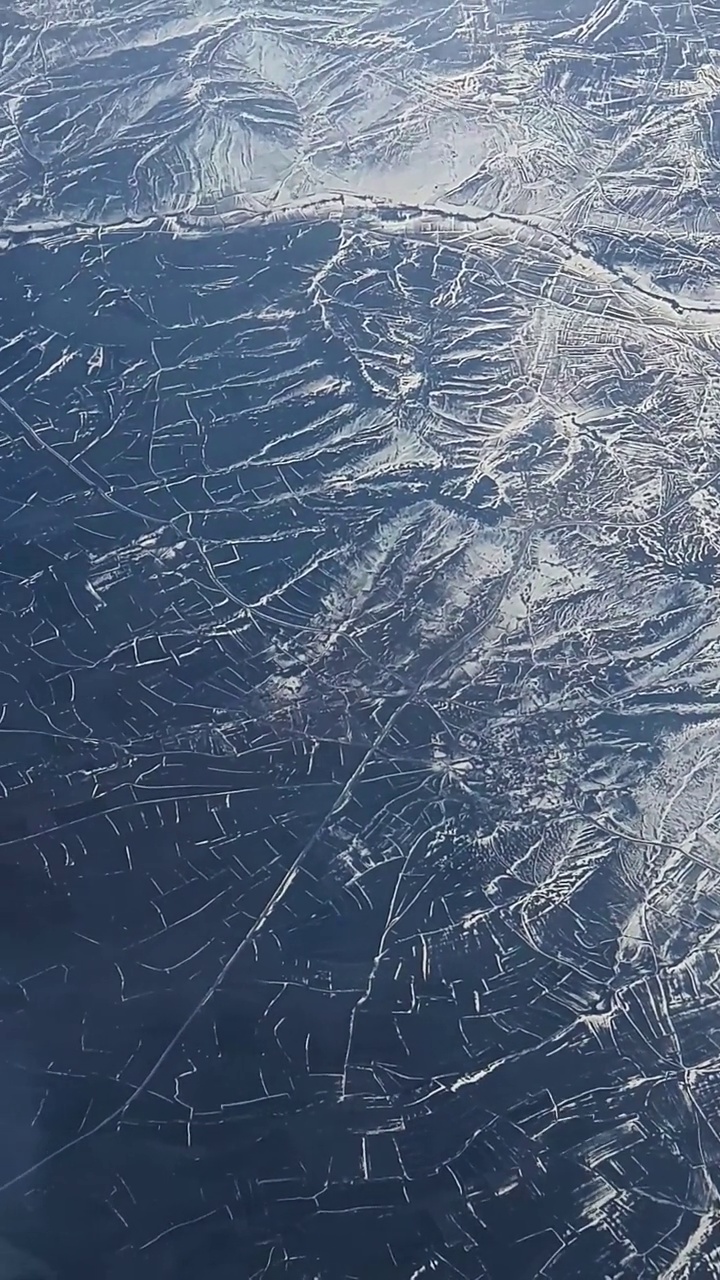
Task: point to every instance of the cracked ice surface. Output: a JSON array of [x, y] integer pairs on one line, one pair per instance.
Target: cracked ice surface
[[360, 641]]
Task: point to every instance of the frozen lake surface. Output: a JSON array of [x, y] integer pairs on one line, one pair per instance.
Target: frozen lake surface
[[359, 640]]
